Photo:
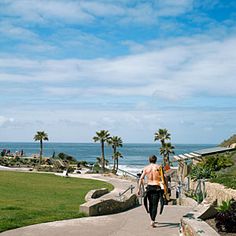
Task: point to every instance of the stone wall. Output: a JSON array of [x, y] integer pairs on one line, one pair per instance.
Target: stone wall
[[93, 194], [191, 226], [97, 207], [217, 192]]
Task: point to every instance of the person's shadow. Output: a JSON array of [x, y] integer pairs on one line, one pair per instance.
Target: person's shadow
[[167, 224]]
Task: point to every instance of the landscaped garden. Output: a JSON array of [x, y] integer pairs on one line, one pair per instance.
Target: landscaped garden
[[218, 168], [32, 198]]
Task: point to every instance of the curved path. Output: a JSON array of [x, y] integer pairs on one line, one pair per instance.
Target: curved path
[[129, 223]]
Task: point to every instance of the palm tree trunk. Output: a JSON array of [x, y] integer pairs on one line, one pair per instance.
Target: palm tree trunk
[[168, 160], [103, 156], [114, 161], [117, 164], [41, 152], [163, 144]]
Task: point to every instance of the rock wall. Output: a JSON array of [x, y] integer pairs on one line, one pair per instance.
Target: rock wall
[[98, 207], [217, 192], [96, 193]]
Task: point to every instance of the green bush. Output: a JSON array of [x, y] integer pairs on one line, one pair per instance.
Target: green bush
[[226, 217], [200, 172], [66, 157], [211, 164], [70, 169], [194, 195], [227, 179], [82, 163]]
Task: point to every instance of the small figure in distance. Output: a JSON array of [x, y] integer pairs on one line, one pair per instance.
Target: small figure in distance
[[153, 189]]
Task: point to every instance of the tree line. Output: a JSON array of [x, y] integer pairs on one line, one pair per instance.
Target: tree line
[[104, 137]]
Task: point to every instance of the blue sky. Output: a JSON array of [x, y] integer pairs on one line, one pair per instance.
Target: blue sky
[[72, 67]]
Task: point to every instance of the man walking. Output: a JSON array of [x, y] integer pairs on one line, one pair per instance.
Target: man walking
[[154, 192]]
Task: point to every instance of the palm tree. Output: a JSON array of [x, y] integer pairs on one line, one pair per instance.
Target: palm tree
[[162, 135], [102, 136], [99, 161], [41, 136], [115, 142], [116, 157], [166, 150]]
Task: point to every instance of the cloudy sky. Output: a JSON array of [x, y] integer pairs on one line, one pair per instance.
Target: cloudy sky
[[73, 67]]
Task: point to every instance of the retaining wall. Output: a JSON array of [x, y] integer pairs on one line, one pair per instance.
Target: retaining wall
[[217, 192], [96, 207]]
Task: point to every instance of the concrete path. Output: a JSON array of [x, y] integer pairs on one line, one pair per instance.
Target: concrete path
[[14, 169], [129, 223], [120, 185]]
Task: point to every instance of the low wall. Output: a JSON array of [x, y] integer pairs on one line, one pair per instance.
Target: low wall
[[192, 226], [187, 201], [97, 207], [217, 192], [93, 194]]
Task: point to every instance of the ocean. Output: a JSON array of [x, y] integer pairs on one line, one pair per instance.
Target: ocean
[[135, 155]]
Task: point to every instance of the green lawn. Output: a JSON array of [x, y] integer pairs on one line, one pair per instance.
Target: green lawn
[[31, 198]]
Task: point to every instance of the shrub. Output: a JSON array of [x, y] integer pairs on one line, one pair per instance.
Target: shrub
[[200, 172], [70, 169], [226, 217], [66, 157], [82, 163], [208, 167]]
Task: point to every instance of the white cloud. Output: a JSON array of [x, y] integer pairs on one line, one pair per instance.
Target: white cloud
[[5, 120], [186, 126], [42, 11], [176, 71], [85, 11], [9, 30]]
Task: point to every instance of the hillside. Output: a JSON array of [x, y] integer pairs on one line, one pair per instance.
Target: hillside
[[229, 141]]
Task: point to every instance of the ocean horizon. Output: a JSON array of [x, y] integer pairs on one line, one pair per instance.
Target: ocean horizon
[[135, 155]]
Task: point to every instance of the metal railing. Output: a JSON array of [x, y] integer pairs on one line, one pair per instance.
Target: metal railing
[[121, 195], [131, 187], [128, 173]]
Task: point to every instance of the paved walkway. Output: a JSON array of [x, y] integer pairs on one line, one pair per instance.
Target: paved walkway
[[129, 223], [120, 185]]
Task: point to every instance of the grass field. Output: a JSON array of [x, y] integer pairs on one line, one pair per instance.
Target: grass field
[[31, 198]]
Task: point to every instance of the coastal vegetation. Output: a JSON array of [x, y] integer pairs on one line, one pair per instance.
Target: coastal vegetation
[[115, 142], [102, 136], [166, 149], [32, 198], [56, 163], [227, 177], [229, 141], [218, 168], [41, 136], [116, 157], [210, 165], [225, 218]]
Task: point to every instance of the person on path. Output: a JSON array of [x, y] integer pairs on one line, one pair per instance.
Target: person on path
[[154, 192]]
